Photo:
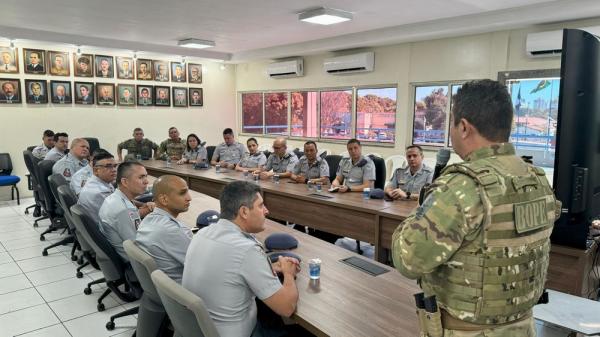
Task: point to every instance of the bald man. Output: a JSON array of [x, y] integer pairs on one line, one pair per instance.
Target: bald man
[[160, 234], [280, 161], [75, 160]]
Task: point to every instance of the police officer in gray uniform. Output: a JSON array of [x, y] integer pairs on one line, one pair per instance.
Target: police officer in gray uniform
[[47, 145], [253, 159], [119, 217], [356, 172], [280, 161], [80, 177], [229, 153], [99, 186], [161, 235], [408, 181], [61, 143], [311, 167], [74, 161]]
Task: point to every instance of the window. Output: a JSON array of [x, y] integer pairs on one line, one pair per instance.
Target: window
[[252, 113], [276, 113], [430, 115], [336, 114], [376, 115], [304, 114]]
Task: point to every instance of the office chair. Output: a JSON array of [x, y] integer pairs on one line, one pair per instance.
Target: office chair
[[94, 143], [333, 160], [210, 150], [6, 178], [379, 171], [56, 180], [299, 153], [43, 171], [32, 183]]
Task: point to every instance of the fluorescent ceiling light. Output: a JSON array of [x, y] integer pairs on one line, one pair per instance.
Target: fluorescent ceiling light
[[195, 43], [325, 16]]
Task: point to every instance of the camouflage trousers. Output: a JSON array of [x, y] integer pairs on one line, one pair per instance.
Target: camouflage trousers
[[524, 328]]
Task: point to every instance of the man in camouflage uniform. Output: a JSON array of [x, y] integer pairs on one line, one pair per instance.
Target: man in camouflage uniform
[[138, 145], [480, 242], [173, 147]]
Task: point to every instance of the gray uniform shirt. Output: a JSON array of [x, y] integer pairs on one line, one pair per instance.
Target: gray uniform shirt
[[54, 154], [355, 174], [166, 239], [253, 160], [231, 154], [227, 268], [119, 220], [318, 169], [40, 151], [92, 196], [411, 183], [198, 154], [281, 165], [79, 179], [68, 166]]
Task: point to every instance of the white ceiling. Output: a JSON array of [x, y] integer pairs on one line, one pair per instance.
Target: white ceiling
[[258, 29]]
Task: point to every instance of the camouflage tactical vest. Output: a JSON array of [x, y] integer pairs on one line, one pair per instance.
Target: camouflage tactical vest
[[499, 277]]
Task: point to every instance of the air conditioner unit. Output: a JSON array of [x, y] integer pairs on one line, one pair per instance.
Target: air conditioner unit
[[547, 44], [355, 63], [293, 68]]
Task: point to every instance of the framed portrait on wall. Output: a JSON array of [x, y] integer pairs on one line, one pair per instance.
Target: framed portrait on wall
[[195, 73], [60, 92], [58, 63], [162, 96], [84, 93], [82, 65], [36, 91], [126, 94], [143, 69], [9, 60], [196, 97], [104, 66], [145, 95], [180, 97], [35, 61], [178, 72], [10, 90], [161, 71], [125, 68], [105, 93]]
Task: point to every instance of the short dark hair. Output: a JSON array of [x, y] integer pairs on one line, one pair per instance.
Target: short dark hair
[[60, 134], [124, 170], [48, 133], [98, 152], [353, 141], [187, 145], [227, 131], [310, 142], [101, 154], [137, 129], [252, 139], [171, 128], [486, 104], [235, 195], [415, 147]]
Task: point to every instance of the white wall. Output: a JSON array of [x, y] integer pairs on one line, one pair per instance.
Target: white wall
[[22, 124]]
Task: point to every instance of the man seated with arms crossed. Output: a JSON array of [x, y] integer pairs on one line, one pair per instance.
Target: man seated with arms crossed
[[280, 161], [227, 267], [253, 159], [408, 181], [173, 147], [355, 173], [99, 186], [119, 216], [61, 143], [75, 160], [138, 145], [47, 145], [229, 153], [311, 167], [80, 177], [161, 235]]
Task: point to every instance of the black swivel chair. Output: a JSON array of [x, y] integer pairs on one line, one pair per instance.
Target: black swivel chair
[[56, 180], [299, 153], [94, 143], [32, 183], [210, 150], [379, 171], [116, 272], [30, 148], [267, 153], [333, 161], [43, 171]]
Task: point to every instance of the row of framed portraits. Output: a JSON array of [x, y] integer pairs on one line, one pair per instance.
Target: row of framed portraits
[[57, 63], [107, 94]]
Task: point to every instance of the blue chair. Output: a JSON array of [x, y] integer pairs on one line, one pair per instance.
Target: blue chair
[[6, 179]]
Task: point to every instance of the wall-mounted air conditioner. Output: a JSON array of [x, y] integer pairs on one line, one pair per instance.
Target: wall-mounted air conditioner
[[547, 44], [293, 68], [347, 64]]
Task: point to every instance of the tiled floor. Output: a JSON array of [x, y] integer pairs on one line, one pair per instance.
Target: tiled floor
[[41, 297]]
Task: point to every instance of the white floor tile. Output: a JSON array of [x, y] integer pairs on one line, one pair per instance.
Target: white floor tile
[[57, 330], [9, 269], [7, 211], [42, 262], [49, 275], [79, 305], [27, 320], [124, 334], [14, 224], [18, 300], [13, 283], [5, 258], [21, 233], [94, 325], [24, 243], [67, 288], [31, 252]]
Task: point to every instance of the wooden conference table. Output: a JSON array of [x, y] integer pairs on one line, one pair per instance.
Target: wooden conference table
[[345, 214], [345, 301]]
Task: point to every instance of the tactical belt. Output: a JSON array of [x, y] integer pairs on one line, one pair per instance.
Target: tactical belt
[[451, 323]]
